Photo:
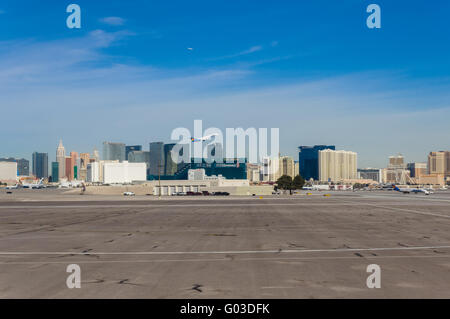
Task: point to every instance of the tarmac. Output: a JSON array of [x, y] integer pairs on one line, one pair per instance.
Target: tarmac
[[300, 246]]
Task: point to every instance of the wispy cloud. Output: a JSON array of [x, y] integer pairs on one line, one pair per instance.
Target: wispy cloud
[[250, 50], [114, 21]]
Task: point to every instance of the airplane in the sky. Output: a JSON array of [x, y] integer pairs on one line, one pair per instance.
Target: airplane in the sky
[[411, 190], [204, 138]]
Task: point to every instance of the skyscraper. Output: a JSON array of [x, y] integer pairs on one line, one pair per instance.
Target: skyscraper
[[170, 167], [40, 165], [335, 166], [113, 151], [55, 172], [439, 163], [61, 159], [23, 167], [157, 160], [84, 160], [131, 148], [287, 166], [69, 173], [82, 170], [308, 159]]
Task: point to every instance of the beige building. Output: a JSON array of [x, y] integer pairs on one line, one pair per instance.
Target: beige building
[[336, 166], [395, 176], [431, 179], [439, 163], [417, 169], [84, 161], [296, 168], [397, 161], [254, 173], [273, 168], [287, 166], [8, 171], [396, 172]]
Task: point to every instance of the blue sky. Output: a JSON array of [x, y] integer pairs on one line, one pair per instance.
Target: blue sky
[[311, 68]]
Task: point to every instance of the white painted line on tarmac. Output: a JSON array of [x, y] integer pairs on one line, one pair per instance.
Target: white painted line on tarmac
[[219, 259], [230, 252]]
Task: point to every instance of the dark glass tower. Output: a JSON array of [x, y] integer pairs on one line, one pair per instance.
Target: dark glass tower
[[131, 148], [40, 165], [170, 167], [308, 160], [113, 151], [55, 172], [157, 160]]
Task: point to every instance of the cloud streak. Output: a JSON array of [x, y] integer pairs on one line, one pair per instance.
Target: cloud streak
[[113, 21], [248, 51]]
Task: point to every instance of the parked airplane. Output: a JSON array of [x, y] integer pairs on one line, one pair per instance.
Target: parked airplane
[[12, 187], [204, 138], [37, 185], [72, 184], [411, 190]]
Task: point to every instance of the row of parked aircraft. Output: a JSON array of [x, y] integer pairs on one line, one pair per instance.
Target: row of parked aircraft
[[40, 184], [37, 185]]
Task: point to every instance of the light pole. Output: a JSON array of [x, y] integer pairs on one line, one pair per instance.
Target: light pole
[[159, 179]]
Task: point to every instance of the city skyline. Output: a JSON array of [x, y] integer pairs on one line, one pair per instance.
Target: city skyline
[[129, 75], [52, 155]]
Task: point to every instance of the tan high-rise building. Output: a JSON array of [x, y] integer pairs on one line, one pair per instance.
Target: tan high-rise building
[[61, 159], [396, 161], [253, 173], [274, 168], [439, 163], [286, 166], [337, 166], [396, 171], [84, 160], [82, 170]]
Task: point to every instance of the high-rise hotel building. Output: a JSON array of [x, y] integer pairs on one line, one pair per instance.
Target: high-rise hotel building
[[439, 163], [335, 166]]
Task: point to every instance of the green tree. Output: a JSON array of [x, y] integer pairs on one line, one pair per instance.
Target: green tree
[[298, 182], [285, 182]]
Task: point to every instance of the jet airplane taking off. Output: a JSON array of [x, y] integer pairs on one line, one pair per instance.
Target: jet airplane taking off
[[204, 138]]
